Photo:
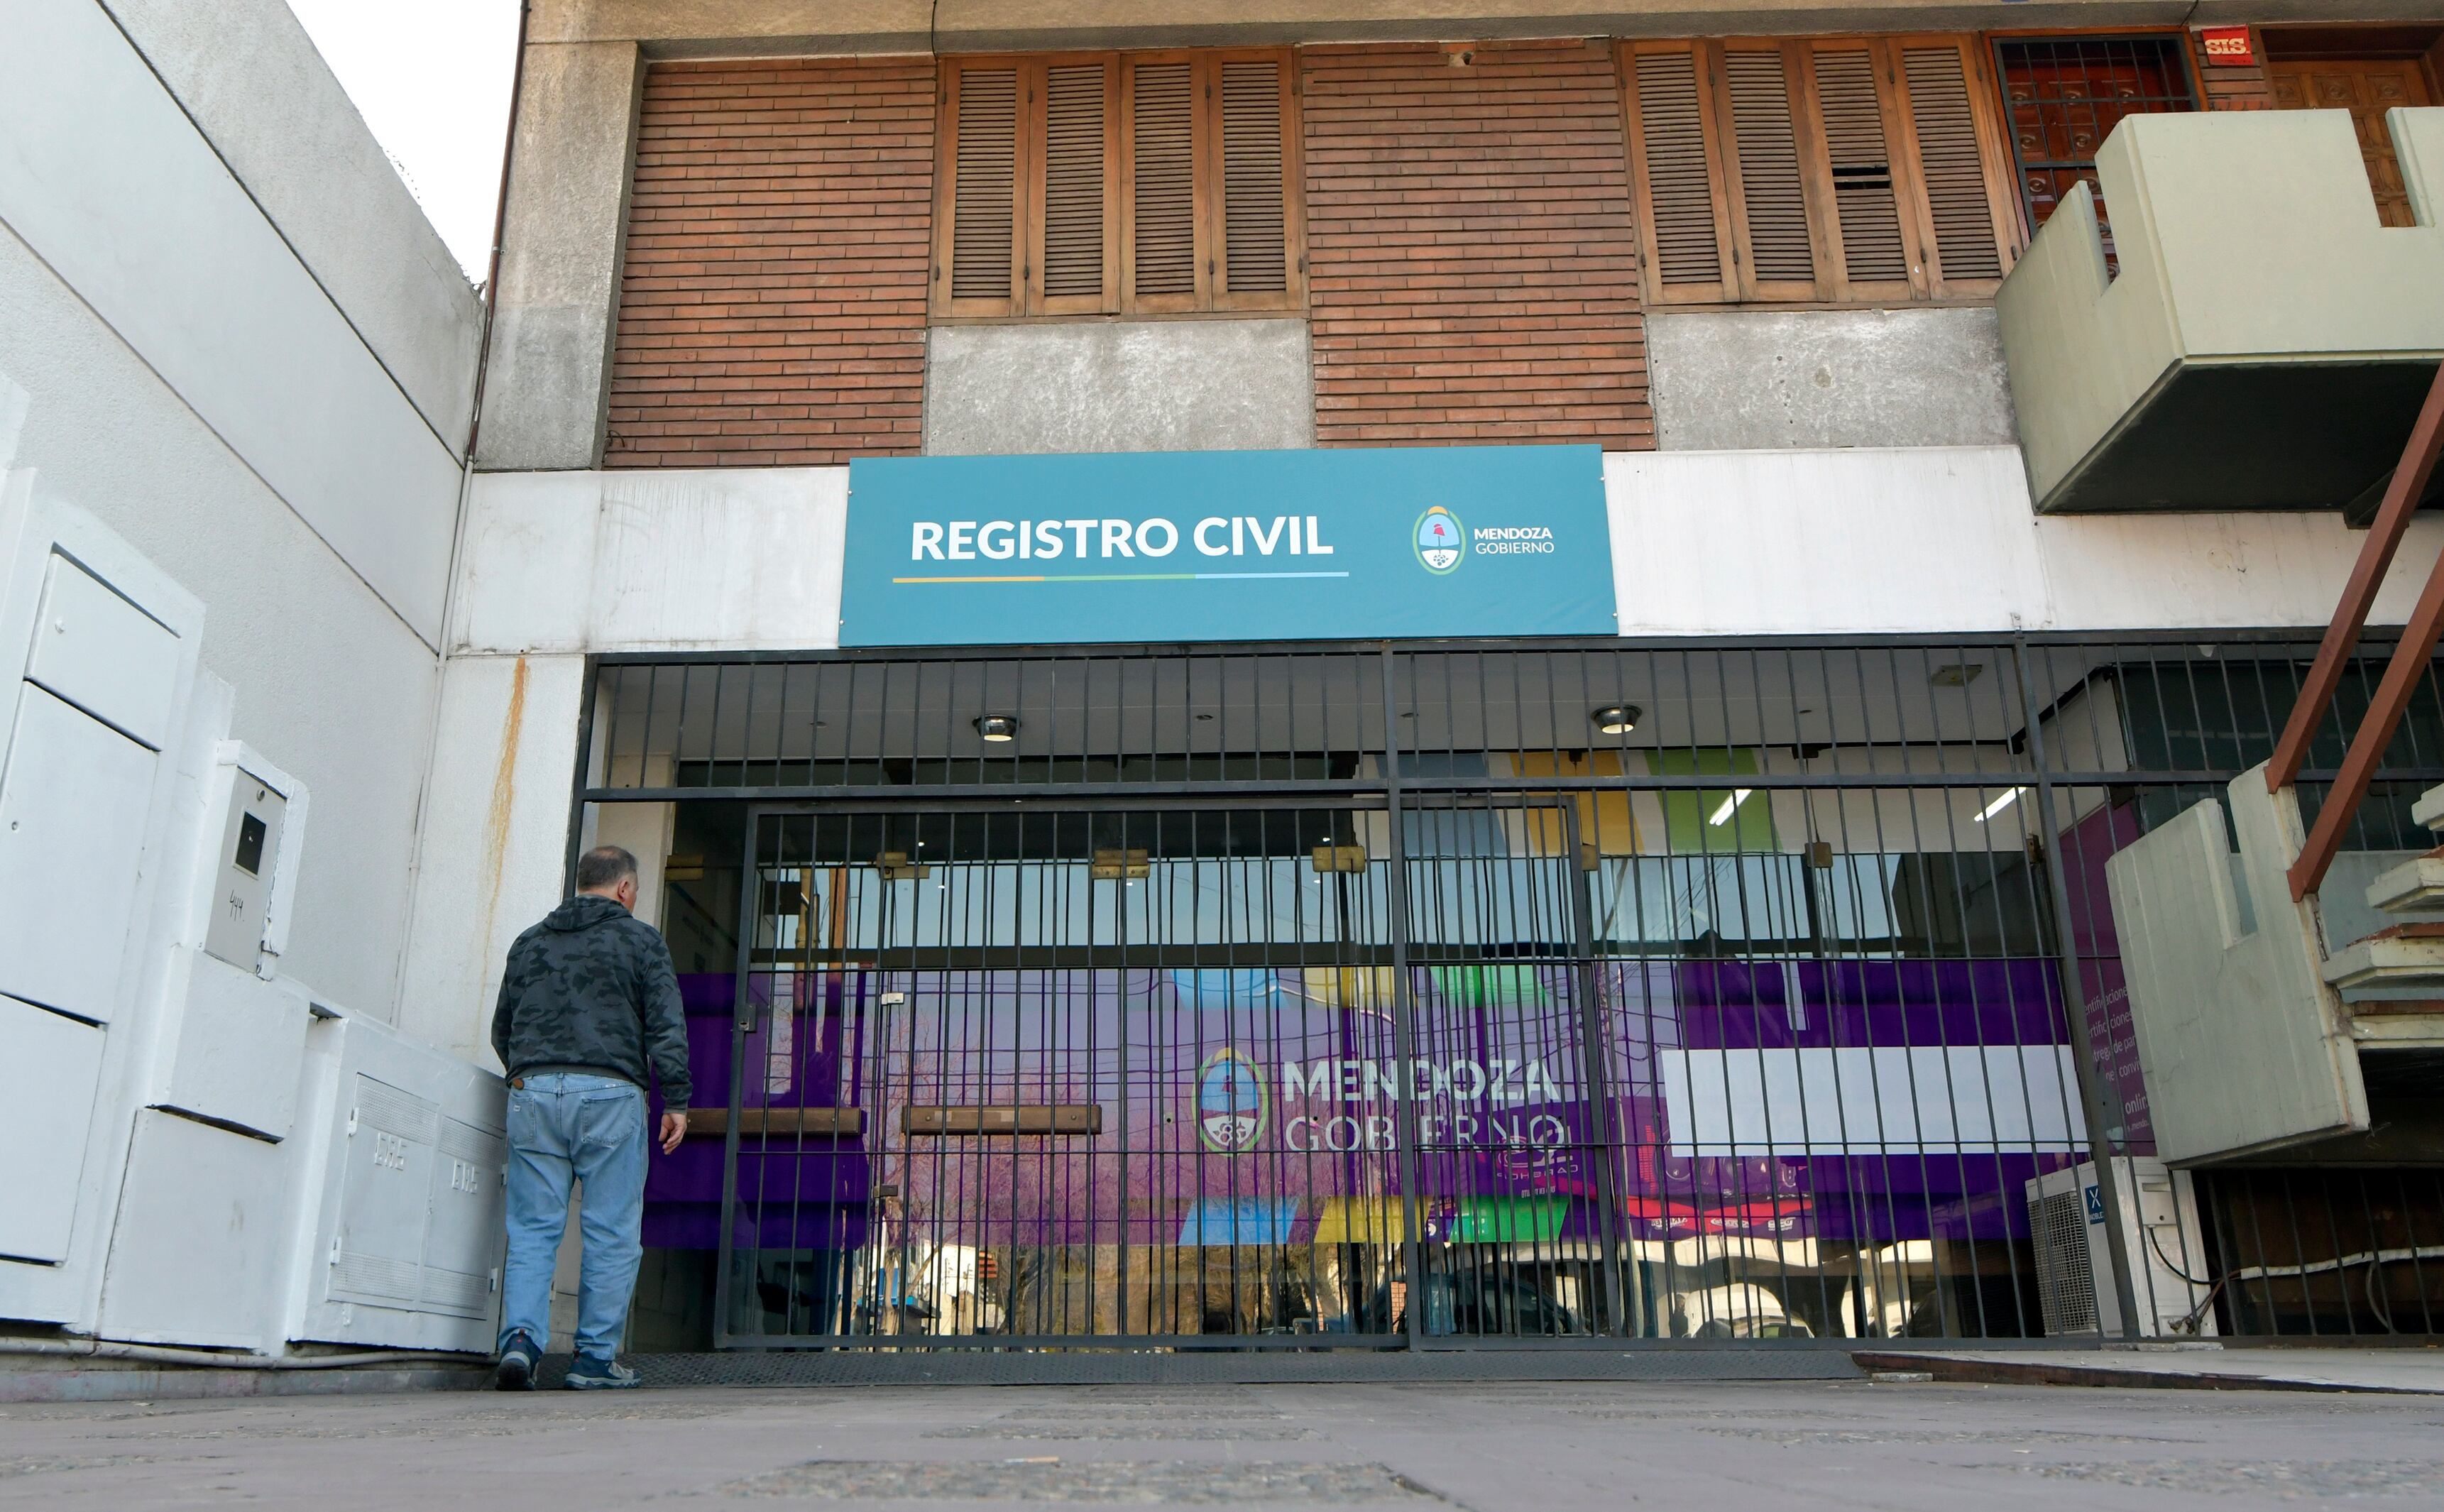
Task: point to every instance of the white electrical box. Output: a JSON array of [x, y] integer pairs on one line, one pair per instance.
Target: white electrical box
[[2168, 1276], [48, 1065], [200, 1244], [236, 1046], [408, 1158], [242, 874]]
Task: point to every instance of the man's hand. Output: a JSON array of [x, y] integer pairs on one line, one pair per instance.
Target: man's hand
[[673, 1130]]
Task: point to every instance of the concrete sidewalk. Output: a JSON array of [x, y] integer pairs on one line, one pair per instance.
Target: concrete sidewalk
[[2418, 1370], [1851, 1445]]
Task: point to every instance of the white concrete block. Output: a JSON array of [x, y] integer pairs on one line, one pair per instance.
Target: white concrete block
[[235, 1048]]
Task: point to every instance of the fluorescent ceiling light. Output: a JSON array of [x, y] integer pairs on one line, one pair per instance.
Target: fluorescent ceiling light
[[1999, 805], [1723, 814]]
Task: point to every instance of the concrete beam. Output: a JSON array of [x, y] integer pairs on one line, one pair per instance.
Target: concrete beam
[[1130, 386], [734, 27], [546, 396], [1746, 380]]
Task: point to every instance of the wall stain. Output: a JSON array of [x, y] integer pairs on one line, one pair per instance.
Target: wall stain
[[505, 792]]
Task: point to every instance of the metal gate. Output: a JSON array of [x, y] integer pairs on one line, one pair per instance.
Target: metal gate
[[1167, 1075], [1382, 997]]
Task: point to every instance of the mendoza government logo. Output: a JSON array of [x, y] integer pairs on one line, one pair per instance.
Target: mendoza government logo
[[1443, 542], [1229, 1102]]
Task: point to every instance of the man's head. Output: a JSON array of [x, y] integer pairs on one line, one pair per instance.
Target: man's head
[[608, 870]]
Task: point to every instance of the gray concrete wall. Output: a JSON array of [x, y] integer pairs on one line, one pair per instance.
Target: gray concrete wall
[[702, 26], [547, 394], [1748, 379], [1128, 386], [249, 76]]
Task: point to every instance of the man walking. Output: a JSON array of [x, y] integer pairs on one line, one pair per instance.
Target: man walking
[[589, 999]]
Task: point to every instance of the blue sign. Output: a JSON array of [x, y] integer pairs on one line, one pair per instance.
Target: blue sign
[[1227, 545]]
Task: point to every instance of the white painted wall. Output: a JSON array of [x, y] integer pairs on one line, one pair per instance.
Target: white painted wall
[[251, 383], [1796, 542], [1942, 538], [652, 561], [495, 838], [108, 183], [251, 392], [249, 78]]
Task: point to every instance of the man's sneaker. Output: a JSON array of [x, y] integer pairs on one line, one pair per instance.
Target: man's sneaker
[[515, 1373], [599, 1376]]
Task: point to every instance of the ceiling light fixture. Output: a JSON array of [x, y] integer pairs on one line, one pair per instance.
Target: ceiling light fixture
[[998, 728], [1730, 806], [1617, 719]]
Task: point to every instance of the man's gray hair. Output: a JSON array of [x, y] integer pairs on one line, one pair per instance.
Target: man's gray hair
[[605, 866]]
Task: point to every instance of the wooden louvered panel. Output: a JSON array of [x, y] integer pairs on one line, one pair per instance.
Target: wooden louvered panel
[[1950, 164], [1163, 165], [1074, 177], [1767, 149], [1254, 214], [1868, 213], [1672, 138], [984, 194]]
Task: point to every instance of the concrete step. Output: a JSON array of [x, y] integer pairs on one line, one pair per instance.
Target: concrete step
[[2407, 955], [2414, 887]]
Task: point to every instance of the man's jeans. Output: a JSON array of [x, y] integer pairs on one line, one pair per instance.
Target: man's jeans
[[565, 1125]]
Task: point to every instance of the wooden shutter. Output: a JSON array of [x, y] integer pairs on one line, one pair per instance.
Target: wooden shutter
[[977, 259], [1256, 249], [1872, 258], [1162, 264], [1962, 171], [1769, 204], [1102, 183], [1676, 172], [1858, 169], [1078, 245]]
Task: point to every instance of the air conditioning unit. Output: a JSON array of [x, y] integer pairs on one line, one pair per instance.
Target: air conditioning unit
[[2169, 1274]]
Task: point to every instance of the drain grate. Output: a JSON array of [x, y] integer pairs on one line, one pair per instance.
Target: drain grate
[[1144, 1482]]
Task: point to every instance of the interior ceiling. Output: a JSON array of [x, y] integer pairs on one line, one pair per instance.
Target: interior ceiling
[[1135, 705]]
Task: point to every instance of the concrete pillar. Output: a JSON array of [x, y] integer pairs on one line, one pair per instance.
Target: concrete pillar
[[495, 839], [546, 391]]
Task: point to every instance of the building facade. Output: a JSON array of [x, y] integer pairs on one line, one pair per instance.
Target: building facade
[[1326, 674]]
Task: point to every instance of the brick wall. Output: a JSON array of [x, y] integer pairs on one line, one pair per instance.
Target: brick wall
[[2228, 88], [1470, 254], [772, 308]]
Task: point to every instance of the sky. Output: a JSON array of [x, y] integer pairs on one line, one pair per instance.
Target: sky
[[432, 79]]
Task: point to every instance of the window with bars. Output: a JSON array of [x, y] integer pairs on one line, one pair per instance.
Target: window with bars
[[1831, 170], [1127, 183], [2064, 96]]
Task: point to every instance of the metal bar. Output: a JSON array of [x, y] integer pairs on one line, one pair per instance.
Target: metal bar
[[1403, 1003], [2402, 675], [2342, 636], [2093, 1094], [749, 873], [1593, 1067], [1219, 794]]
